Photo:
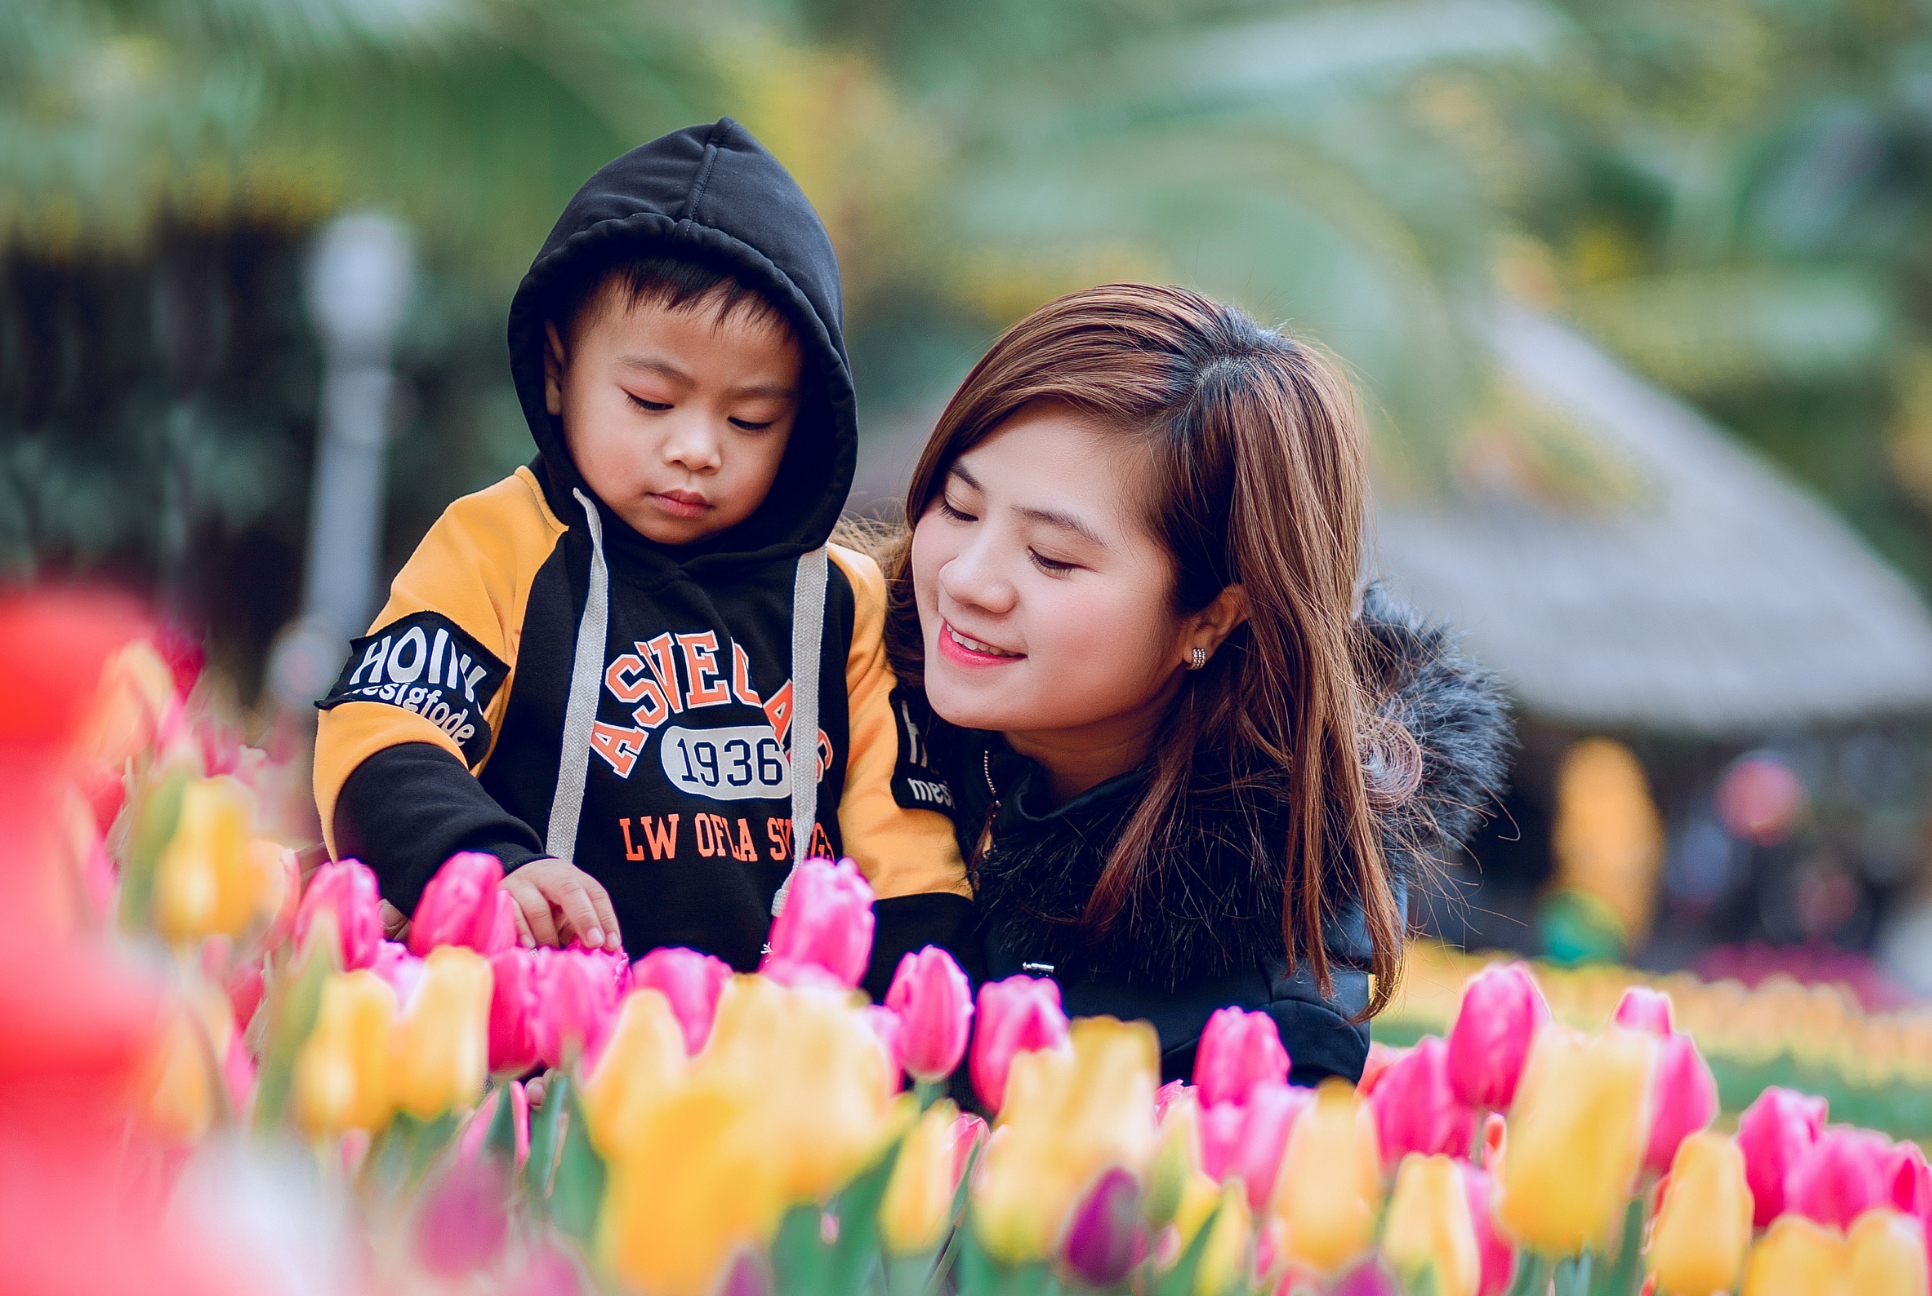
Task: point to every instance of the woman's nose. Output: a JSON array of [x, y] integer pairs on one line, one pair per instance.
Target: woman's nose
[[973, 578]]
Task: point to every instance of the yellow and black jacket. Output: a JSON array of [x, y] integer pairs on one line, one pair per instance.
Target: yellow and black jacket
[[545, 681]]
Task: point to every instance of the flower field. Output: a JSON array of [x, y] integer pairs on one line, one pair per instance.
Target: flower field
[[219, 1076]]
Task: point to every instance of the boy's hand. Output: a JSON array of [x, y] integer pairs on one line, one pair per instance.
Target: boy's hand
[[556, 900]]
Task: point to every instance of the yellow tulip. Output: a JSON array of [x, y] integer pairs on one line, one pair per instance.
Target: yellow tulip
[[180, 1100], [1067, 1116], [207, 881], [694, 1184], [136, 690], [443, 1039], [642, 1063], [342, 1071], [1703, 1227], [1796, 1257], [1428, 1233], [1887, 1255], [1576, 1138], [1225, 1260], [1177, 1159], [919, 1196], [1330, 1184]]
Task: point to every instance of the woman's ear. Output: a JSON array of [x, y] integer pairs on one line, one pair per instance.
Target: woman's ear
[[1213, 624], [554, 364]]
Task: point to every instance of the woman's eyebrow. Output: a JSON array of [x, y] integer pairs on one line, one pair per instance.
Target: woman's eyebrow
[[1065, 521]]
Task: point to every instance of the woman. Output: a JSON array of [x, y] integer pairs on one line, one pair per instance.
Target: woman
[[1188, 769]]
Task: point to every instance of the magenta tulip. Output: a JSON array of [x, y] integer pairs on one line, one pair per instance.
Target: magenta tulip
[[1839, 1177], [577, 999], [1238, 1050], [1018, 1015], [513, 1010], [1774, 1133], [691, 981], [1104, 1237], [1644, 1009], [1501, 1012], [1498, 1256], [1909, 1181], [1416, 1108], [935, 1003], [464, 905], [827, 920], [347, 891], [1683, 1099]]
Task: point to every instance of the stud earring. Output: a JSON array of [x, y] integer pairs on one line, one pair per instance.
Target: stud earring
[[1199, 659]]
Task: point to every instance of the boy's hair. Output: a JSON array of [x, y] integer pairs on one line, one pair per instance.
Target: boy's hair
[[672, 281]]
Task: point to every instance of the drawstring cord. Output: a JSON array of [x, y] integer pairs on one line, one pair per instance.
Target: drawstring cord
[[808, 634]]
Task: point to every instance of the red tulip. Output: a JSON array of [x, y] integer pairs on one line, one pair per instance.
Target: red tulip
[[513, 1007], [1775, 1132], [827, 920], [935, 1003], [577, 999], [346, 890], [1502, 1010], [1018, 1015], [1416, 1107], [691, 981], [1644, 1009], [1238, 1050], [1683, 1099], [1498, 1256], [464, 905], [1104, 1237], [1839, 1177]]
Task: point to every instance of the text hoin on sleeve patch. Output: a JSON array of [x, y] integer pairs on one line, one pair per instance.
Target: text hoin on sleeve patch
[[914, 784], [427, 664]]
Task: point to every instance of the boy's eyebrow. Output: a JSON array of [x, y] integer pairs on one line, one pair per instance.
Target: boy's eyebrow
[[1049, 517], [664, 368]]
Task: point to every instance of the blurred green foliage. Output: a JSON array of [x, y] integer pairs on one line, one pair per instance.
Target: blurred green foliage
[[1731, 194]]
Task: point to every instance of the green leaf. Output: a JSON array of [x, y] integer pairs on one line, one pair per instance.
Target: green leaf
[[1532, 1274], [577, 1194], [799, 1256], [546, 1136], [1179, 1281], [1573, 1275], [501, 1138], [294, 999], [857, 1208], [155, 818], [1625, 1275]]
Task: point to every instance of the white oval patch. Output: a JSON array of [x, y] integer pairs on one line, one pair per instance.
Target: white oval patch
[[739, 763]]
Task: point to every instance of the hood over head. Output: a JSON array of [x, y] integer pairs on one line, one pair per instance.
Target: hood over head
[[715, 192]]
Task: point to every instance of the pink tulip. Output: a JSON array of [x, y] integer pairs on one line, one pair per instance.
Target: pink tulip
[[1498, 1256], [890, 1031], [1683, 1099], [1017, 1015], [577, 1000], [691, 981], [346, 890], [1501, 1012], [1262, 1137], [1416, 1107], [513, 1008], [969, 1131], [1238, 1050], [1376, 1065], [1774, 1133], [935, 1003], [464, 905], [1220, 1136], [1839, 1177], [1165, 1096], [401, 969], [478, 1129], [1909, 1181], [827, 920], [1644, 1009]]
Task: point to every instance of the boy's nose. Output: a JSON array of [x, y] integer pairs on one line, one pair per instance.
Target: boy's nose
[[692, 446]]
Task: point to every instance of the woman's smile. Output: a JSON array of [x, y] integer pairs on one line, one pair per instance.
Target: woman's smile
[[968, 651]]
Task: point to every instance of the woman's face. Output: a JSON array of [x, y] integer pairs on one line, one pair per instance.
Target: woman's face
[[1044, 600]]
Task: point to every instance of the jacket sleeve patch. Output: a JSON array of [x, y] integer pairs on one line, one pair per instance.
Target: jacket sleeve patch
[[427, 664], [915, 785]]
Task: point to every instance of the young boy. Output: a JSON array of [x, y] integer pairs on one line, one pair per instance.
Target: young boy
[[604, 669]]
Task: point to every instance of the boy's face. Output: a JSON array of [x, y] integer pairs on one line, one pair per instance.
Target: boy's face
[[677, 419]]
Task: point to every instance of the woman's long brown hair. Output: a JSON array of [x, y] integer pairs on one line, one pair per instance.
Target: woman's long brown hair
[[1260, 478]]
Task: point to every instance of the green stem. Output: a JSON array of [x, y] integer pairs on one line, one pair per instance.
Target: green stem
[[928, 1092]]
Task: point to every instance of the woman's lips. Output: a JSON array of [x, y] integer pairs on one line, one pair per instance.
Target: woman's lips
[[681, 504], [967, 651]]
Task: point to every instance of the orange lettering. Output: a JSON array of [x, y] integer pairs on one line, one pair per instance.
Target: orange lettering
[[707, 839], [663, 840], [821, 843], [780, 832], [744, 850], [778, 711], [741, 677], [701, 668], [618, 746], [630, 852], [665, 667]]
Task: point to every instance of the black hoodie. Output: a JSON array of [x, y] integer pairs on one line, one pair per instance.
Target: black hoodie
[[546, 681]]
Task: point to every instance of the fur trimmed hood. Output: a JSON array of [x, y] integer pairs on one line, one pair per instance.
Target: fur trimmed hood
[[1212, 911]]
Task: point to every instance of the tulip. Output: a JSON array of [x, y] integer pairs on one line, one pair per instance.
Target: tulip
[[397, 966], [1775, 1132], [1416, 1108], [642, 1062], [1683, 1099], [890, 1033], [1168, 1094], [1177, 1159], [827, 920], [1331, 1183], [1376, 1065], [443, 1038], [691, 982], [462, 1219], [1703, 1226], [1104, 1232], [464, 904], [1428, 1237], [342, 1071], [213, 877], [1068, 1115], [346, 891], [1238, 1050], [1017, 1015], [1839, 1177], [1909, 1181], [179, 1101], [1796, 1257], [1576, 1138], [1502, 1009], [1646, 1010], [935, 1002], [477, 1131], [513, 1009], [1224, 1260], [1498, 1256], [969, 1134], [917, 1207], [577, 1002], [1245, 1141], [1887, 1255]]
